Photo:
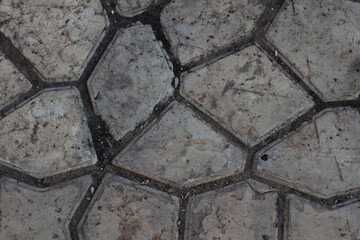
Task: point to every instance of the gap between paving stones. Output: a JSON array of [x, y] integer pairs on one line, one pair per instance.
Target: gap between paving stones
[[107, 148]]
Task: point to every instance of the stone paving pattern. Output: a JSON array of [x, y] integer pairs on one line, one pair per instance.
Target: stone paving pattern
[[178, 119]]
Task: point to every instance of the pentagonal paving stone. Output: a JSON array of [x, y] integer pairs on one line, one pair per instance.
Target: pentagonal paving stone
[[246, 94], [322, 158], [56, 37], [47, 135], [195, 28], [133, 76], [131, 8], [12, 81], [310, 221], [122, 209], [322, 44], [241, 211], [182, 150], [39, 213]]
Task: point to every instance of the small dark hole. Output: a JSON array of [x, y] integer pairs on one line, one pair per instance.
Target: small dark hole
[[264, 157]]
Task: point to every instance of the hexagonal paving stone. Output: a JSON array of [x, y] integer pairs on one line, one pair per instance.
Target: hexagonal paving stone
[[321, 158], [29, 212], [244, 209], [122, 209], [322, 44], [131, 8], [134, 75], [12, 81], [56, 37], [246, 94], [48, 135], [195, 28], [310, 221], [182, 150]]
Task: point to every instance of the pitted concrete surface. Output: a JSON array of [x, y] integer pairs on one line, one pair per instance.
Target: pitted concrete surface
[[179, 119]]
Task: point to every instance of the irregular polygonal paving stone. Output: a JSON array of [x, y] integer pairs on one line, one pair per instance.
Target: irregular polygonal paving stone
[[47, 135], [321, 40], [310, 221], [133, 76], [322, 158], [130, 8], [241, 211], [195, 28], [56, 36], [182, 150], [246, 94], [126, 210], [12, 82], [39, 213]]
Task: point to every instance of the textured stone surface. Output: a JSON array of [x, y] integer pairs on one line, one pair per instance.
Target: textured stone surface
[[133, 76], [245, 209], [47, 135], [321, 40], [56, 36], [39, 213], [126, 210], [310, 221], [246, 94], [182, 150], [321, 158], [12, 81], [195, 28], [130, 8]]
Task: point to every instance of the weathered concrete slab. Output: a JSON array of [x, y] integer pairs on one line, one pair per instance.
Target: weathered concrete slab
[[246, 94], [321, 158], [12, 81], [245, 210], [55, 36], [182, 150], [310, 221], [29, 212], [133, 76], [321, 41], [122, 209], [195, 28], [48, 135]]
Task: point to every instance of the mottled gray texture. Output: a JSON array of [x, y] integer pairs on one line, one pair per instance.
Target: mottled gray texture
[[182, 150], [240, 211], [195, 28], [47, 135], [129, 8], [12, 81], [310, 221], [321, 158], [125, 210], [29, 212], [132, 77], [246, 94], [56, 36], [321, 40]]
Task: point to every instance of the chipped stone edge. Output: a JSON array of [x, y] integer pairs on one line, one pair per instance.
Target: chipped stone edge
[[224, 125], [159, 178], [66, 224], [255, 186], [108, 178], [311, 203], [135, 12], [296, 186], [83, 119], [88, 58], [28, 87]]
